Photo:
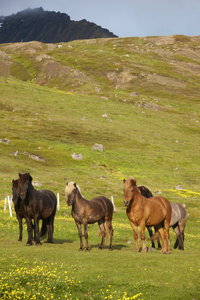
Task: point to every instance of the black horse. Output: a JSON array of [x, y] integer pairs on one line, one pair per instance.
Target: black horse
[[19, 209], [36, 205], [99, 209]]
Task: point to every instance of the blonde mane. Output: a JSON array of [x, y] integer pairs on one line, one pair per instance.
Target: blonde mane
[[70, 187]]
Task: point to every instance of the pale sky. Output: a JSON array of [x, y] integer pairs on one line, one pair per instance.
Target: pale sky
[[125, 18]]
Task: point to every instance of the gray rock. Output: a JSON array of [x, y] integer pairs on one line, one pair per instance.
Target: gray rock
[[5, 141], [36, 157], [77, 156], [97, 147]]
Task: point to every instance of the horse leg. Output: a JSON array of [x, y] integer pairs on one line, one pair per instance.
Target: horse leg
[[36, 224], [181, 224], [80, 235], [163, 237], [142, 236], [151, 234], [43, 229], [86, 236], [103, 233], [179, 240], [110, 228], [50, 229], [20, 228], [135, 232], [30, 232]]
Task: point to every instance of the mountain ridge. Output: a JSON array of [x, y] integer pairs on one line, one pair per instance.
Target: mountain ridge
[[47, 27]]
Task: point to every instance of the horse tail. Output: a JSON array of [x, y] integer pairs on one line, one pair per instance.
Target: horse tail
[[154, 237], [107, 231]]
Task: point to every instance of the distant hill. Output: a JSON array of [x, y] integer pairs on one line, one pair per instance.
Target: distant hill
[[47, 27]]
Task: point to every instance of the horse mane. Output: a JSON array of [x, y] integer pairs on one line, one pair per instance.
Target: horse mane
[[70, 186]]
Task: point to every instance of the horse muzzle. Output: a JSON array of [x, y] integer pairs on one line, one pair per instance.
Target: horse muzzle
[[23, 196], [126, 203]]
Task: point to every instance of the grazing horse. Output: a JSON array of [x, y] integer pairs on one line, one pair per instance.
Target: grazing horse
[[154, 211], [99, 209], [37, 205], [178, 221]]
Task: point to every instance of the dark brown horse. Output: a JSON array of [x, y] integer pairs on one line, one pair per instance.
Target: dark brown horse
[[19, 209], [178, 221], [99, 209], [155, 211], [37, 205]]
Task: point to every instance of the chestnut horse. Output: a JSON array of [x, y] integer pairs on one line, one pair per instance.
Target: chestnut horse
[[155, 211], [36, 205], [99, 209], [178, 221]]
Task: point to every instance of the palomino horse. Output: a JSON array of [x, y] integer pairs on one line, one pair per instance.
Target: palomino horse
[[155, 211], [99, 209], [178, 221], [36, 205]]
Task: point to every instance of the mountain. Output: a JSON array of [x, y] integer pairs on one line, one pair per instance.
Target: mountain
[[47, 27]]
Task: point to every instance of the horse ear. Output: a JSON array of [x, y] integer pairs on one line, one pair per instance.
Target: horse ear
[[74, 184], [30, 177], [133, 181], [20, 174], [124, 180]]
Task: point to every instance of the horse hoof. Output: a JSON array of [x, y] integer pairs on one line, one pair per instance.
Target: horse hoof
[[110, 249], [80, 249], [38, 244], [28, 244], [100, 248], [144, 250], [136, 250]]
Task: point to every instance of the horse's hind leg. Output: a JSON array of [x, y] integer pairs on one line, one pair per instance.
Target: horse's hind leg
[[110, 228], [163, 237], [103, 233]]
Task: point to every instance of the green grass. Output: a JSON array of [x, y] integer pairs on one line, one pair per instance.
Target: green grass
[[153, 137], [59, 270]]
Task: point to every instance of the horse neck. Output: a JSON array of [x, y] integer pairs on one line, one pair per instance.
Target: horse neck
[[79, 199], [29, 195], [137, 196]]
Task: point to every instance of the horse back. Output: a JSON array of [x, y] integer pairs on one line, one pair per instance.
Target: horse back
[[178, 213], [45, 203], [99, 208]]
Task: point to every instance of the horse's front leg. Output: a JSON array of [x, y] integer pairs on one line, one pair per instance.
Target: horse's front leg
[[20, 228], [80, 235], [86, 236], [36, 224], [142, 236], [135, 232], [30, 232]]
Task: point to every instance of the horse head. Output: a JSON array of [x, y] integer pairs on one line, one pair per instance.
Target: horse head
[[23, 184], [70, 192], [15, 191], [129, 186]]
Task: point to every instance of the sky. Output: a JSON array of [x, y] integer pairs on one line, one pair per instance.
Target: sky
[[125, 18]]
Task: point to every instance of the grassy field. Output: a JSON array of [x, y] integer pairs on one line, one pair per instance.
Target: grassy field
[[58, 101]]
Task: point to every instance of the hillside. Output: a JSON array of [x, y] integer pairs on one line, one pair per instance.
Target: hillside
[[138, 97], [47, 27]]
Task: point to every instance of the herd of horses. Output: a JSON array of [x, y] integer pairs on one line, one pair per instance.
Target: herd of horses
[[142, 210]]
